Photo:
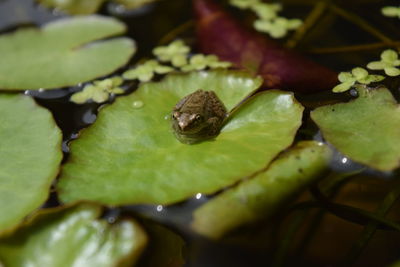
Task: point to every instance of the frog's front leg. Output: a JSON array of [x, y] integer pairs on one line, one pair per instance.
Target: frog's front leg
[[214, 125]]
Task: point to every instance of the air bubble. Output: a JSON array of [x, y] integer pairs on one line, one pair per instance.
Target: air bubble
[[138, 104]]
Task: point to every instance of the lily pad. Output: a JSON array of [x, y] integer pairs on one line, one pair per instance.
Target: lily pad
[[74, 7], [30, 154], [62, 53], [262, 196], [365, 129], [73, 236], [86, 7], [130, 154]]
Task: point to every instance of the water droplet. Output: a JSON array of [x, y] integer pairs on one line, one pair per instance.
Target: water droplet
[[353, 92], [89, 117], [198, 195], [111, 219], [159, 208], [167, 117], [138, 104], [344, 160]]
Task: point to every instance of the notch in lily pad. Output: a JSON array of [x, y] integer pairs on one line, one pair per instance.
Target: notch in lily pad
[[63, 53]]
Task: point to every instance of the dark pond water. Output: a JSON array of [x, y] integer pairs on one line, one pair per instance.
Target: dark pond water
[[319, 242]]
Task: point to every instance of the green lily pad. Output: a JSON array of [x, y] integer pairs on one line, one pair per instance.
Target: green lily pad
[[74, 7], [130, 154], [73, 236], [365, 129], [62, 53], [86, 7], [263, 195], [30, 154]]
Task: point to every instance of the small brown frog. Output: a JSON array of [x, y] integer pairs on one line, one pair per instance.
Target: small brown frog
[[198, 116]]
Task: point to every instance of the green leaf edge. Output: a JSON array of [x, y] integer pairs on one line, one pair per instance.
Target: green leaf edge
[[51, 178], [122, 30]]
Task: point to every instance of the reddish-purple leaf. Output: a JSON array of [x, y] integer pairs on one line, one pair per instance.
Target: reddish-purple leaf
[[220, 34]]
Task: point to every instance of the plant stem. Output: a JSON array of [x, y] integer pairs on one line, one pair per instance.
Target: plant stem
[[353, 48], [170, 36], [360, 22], [353, 214], [336, 181], [371, 228], [312, 18], [331, 189]]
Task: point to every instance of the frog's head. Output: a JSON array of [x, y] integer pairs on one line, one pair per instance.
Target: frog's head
[[189, 123]]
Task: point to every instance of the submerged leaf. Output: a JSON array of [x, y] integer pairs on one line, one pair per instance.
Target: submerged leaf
[[261, 196], [62, 53], [140, 160], [72, 236], [364, 129], [30, 154], [220, 34]]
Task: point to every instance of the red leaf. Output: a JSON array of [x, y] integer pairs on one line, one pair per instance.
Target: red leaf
[[220, 34]]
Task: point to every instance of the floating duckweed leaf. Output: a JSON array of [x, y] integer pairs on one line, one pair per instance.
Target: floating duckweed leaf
[[389, 61], [360, 75], [269, 21], [261, 196], [133, 4], [278, 27], [74, 7], [140, 160], [365, 129], [244, 4], [200, 62], [176, 53], [30, 154], [99, 91], [73, 236], [391, 11], [60, 54], [145, 72], [266, 11]]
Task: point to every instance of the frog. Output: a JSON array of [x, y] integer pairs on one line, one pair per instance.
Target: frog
[[198, 116]]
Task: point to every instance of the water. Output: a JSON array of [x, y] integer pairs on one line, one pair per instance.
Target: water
[[254, 246]]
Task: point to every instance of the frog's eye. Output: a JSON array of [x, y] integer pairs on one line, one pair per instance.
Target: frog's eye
[[195, 117], [176, 115]]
